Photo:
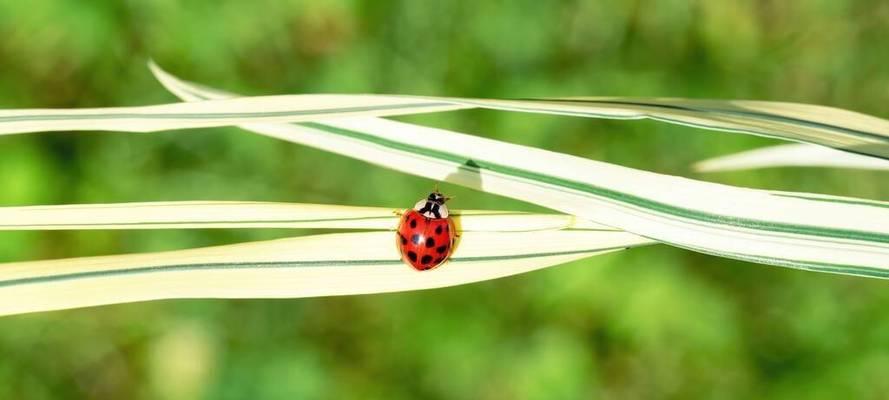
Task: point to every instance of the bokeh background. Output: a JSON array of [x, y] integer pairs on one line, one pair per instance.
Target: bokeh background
[[654, 322]]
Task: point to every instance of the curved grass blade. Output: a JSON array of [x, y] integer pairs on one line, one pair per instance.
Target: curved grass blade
[[830, 198], [230, 214], [827, 126], [790, 155], [286, 108], [844, 130], [717, 219], [309, 266], [835, 128]]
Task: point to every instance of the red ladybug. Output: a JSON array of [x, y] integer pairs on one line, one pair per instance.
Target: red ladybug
[[426, 233]]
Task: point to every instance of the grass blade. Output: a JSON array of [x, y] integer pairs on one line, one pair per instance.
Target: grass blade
[[717, 219], [831, 127], [790, 155], [320, 265], [827, 126], [286, 108], [229, 214]]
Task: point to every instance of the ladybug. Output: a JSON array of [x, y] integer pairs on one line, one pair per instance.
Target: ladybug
[[425, 235]]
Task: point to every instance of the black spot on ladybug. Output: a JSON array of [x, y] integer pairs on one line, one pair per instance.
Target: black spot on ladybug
[[403, 239], [413, 223], [430, 242], [412, 255], [441, 249], [426, 259], [415, 239], [438, 230]]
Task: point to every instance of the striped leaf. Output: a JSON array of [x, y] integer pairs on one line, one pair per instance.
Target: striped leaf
[[827, 126], [319, 265], [836, 128], [790, 155], [733, 222], [286, 108], [228, 214]]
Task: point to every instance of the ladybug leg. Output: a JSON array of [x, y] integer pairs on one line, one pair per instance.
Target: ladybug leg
[[398, 213]]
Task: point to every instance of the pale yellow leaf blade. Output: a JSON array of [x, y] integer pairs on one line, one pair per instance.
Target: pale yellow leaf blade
[[320, 265], [233, 214]]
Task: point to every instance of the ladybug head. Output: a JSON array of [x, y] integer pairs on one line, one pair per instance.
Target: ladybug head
[[437, 198], [433, 206]]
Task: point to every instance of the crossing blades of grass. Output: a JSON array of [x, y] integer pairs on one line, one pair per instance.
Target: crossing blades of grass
[[831, 236], [849, 236]]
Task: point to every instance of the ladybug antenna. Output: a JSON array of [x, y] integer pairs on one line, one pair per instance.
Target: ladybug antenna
[[435, 188], [449, 198]]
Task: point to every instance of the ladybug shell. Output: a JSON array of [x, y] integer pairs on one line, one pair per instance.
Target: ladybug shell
[[424, 243]]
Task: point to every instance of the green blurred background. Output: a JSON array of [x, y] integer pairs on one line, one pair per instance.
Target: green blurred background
[[653, 322]]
